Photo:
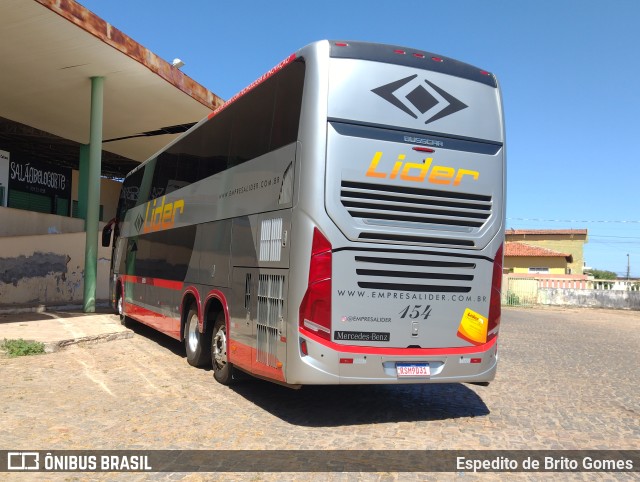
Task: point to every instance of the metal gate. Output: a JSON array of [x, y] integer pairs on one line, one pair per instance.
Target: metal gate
[[519, 291]]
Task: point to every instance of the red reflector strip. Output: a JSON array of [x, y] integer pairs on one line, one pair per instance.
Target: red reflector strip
[[303, 347], [346, 360], [419, 56], [400, 52], [341, 44], [423, 149], [484, 72], [253, 85], [476, 360], [436, 59]]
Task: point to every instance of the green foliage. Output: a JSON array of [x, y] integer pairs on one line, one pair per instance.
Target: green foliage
[[602, 274], [22, 347], [512, 299]]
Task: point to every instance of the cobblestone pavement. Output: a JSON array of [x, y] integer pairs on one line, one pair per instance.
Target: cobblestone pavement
[[567, 379]]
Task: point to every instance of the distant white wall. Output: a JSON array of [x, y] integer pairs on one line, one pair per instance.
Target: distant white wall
[[621, 300]]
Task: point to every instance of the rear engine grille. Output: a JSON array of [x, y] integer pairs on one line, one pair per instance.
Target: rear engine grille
[[414, 275], [404, 206]]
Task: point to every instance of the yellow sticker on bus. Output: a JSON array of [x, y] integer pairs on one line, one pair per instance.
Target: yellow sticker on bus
[[473, 327]]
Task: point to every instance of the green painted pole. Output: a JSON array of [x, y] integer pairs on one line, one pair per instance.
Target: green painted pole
[[83, 185], [93, 195]]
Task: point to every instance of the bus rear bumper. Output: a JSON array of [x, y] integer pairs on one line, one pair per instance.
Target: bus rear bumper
[[367, 365]]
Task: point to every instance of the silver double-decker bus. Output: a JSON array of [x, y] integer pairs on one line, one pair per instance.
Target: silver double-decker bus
[[339, 221]]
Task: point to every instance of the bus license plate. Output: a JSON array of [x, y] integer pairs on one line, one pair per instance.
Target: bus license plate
[[413, 370]]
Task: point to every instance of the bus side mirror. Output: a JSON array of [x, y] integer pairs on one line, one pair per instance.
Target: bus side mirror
[[106, 236], [106, 233]]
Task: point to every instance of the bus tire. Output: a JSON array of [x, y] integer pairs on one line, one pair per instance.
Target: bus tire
[[120, 309], [197, 345], [222, 369]]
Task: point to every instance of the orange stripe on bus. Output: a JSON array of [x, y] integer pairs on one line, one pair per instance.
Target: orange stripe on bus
[[244, 356]]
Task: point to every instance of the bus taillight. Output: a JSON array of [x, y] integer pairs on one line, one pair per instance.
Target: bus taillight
[[494, 303], [315, 309]]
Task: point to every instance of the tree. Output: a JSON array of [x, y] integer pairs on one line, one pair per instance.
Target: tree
[[602, 274]]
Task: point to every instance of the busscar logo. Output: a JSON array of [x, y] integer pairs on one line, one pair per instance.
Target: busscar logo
[[139, 222], [420, 100]]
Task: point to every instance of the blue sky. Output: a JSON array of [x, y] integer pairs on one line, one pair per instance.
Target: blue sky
[[569, 72]]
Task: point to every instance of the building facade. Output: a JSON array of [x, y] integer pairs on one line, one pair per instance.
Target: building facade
[[65, 72], [545, 251]]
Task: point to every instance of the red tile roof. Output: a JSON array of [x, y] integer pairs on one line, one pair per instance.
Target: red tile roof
[[522, 249], [546, 231]]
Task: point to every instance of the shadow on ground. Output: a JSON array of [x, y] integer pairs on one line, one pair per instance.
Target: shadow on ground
[[165, 341], [330, 406]]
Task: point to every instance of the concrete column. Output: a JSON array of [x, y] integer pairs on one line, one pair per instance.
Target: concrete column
[[83, 184], [93, 195]]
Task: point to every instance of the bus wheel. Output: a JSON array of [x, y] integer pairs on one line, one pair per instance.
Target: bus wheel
[[120, 309], [222, 369], [198, 345]]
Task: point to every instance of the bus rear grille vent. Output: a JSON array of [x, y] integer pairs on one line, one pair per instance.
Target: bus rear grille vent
[[414, 275], [403, 206], [401, 238], [270, 305]]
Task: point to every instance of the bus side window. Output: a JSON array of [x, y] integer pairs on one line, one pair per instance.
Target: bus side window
[[164, 174], [214, 145], [252, 120], [286, 115], [130, 192]]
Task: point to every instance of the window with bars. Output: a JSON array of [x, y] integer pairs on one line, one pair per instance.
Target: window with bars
[[540, 270]]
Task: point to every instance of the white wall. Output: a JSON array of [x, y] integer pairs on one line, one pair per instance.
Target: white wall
[[48, 270], [18, 222], [42, 255]]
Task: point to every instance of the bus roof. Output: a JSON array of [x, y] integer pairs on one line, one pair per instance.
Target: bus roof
[[392, 54]]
